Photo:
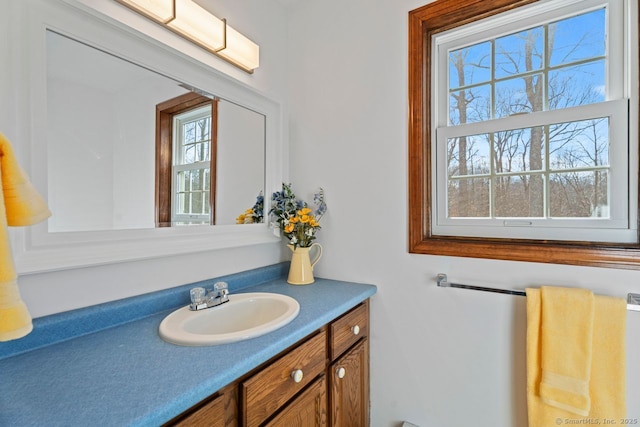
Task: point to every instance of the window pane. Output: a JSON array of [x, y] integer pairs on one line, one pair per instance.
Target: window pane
[[468, 155], [202, 129], [577, 38], [189, 132], [196, 203], [519, 95], [519, 196], [189, 154], [519, 53], [470, 65], [179, 182], [197, 178], [580, 194], [182, 203], [197, 152], [519, 150], [577, 85], [468, 197], [470, 105], [579, 144]]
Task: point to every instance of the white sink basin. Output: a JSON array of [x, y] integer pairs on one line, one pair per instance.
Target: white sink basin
[[244, 316]]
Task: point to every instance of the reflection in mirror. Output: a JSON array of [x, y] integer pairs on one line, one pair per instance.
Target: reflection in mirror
[[116, 161]]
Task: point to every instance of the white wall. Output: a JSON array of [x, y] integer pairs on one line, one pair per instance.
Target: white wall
[[47, 293], [439, 357]]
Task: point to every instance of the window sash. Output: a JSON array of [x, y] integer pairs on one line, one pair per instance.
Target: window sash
[[205, 191], [615, 228]]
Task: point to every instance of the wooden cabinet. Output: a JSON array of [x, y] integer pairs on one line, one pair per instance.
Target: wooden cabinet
[[321, 381], [349, 370], [349, 388]]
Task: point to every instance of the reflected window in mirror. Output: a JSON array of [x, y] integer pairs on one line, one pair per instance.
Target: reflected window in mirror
[[192, 168], [186, 146]]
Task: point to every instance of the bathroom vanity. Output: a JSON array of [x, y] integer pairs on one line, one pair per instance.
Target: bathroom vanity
[[323, 380], [107, 364]]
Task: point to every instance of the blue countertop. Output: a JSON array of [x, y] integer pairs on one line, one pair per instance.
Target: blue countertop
[[107, 365]]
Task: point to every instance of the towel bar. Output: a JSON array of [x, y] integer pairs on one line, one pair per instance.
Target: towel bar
[[633, 300]]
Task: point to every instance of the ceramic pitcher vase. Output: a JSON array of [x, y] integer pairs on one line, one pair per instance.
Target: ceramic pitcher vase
[[301, 269]]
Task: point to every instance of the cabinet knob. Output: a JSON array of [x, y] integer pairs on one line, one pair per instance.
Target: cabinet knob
[[341, 372], [355, 329], [297, 375]]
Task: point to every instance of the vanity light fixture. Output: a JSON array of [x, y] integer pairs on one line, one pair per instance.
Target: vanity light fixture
[[189, 20]]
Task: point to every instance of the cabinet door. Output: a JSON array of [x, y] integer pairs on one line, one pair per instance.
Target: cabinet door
[[307, 410], [221, 411], [349, 385]]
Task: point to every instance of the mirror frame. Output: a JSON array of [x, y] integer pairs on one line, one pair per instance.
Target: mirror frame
[[37, 250]]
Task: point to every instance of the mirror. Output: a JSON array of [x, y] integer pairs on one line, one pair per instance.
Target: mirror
[[99, 175], [103, 138]]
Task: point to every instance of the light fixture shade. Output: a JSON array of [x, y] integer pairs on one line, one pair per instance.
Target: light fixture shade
[[197, 24], [241, 50], [159, 10]]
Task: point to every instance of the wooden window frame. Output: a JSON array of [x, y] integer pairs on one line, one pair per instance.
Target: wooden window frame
[[424, 22], [165, 111]]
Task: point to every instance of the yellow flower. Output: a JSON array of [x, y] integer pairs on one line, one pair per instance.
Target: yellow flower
[[304, 211], [305, 219], [288, 228], [314, 223], [294, 220], [240, 219], [249, 211]]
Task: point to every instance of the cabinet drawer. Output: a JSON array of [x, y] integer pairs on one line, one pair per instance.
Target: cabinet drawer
[[348, 329], [264, 393]]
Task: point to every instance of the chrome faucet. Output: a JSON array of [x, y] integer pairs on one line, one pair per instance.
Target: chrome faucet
[[201, 299]]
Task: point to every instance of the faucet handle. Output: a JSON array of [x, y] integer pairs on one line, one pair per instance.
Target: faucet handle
[[198, 298], [197, 295], [218, 286], [221, 288]]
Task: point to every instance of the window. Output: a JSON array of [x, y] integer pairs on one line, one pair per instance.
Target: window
[[191, 167], [523, 130], [186, 133]]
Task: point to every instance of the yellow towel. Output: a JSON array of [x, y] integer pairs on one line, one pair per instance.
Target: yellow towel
[[555, 398], [20, 204], [566, 342]]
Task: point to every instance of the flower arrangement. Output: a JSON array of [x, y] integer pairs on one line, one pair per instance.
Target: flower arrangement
[[297, 221], [254, 214]]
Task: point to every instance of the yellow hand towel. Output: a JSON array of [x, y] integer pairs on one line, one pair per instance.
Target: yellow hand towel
[[20, 204], [605, 375], [566, 341]]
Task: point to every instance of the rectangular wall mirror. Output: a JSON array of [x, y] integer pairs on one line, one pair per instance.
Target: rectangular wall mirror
[[140, 150], [105, 135]]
